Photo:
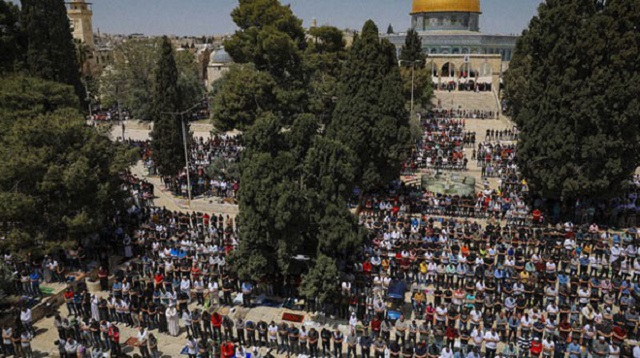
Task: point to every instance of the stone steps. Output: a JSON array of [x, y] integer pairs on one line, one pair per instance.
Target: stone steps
[[484, 101]]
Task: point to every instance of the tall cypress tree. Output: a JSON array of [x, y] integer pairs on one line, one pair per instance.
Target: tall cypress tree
[[51, 53], [412, 49], [11, 38], [167, 142], [370, 115], [573, 89]]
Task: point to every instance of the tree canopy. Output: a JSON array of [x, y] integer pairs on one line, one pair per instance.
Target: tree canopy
[[573, 89], [411, 50], [50, 50], [11, 38], [370, 115], [244, 94], [130, 78], [58, 178]]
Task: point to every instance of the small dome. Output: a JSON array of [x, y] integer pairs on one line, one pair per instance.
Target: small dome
[[220, 56]]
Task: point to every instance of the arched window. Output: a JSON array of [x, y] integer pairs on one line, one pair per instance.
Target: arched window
[[468, 71], [448, 70], [432, 69]]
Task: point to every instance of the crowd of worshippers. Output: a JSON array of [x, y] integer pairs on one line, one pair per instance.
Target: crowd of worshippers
[[441, 146], [540, 290], [140, 190], [463, 113], [400, 199], [559, 288], [495, 159], [510, 134], [209, 163]]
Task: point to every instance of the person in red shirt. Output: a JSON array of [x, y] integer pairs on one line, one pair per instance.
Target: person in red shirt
[[228, 349], [158, 279], [536, 347], [216, 323], [429, 315], [452, 334], [103, 275], [114, 337], [375, 325], [68, 299], [366, 267], [619, 334]]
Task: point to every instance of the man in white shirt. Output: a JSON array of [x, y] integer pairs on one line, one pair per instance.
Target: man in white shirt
[[636, 351], [491, 340], [446, 352], [25, 318], [142, 336], [547, 347], [441, 314], [185, 287]]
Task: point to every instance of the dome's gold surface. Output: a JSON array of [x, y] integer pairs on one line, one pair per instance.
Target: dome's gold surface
[[445, 6]]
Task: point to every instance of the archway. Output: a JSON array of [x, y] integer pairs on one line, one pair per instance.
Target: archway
[[448, 70], [468, 71], [432, 69]]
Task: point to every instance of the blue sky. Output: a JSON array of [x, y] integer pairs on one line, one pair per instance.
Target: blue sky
[[206, 17]]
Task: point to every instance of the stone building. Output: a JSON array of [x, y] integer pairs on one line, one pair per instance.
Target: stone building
[[219, 63], [459, 56]]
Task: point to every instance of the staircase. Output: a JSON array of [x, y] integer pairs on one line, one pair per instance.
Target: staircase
[[484, 101]]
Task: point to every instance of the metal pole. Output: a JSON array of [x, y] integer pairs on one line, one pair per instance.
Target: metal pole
[[413, 66], [120, 118], [186, 158], [90, 111]]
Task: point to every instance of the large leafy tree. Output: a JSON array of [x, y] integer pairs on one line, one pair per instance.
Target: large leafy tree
[[51, 53], [244, 94], [323, 59], [167, 139], [270, 36], [272, 39], [321, 283], [274, 205], [130, 78], [27, 97], [295, 180], [58, 178], [573, 89], [370, 115]]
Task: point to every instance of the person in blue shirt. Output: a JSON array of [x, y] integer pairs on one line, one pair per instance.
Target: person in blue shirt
[[563, 279], [34, 277], [512, 335], [247, 290], [574, 350]]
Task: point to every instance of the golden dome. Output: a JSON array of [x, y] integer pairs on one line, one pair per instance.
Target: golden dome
[[420, 6]]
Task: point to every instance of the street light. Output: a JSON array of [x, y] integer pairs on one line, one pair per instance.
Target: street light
[[186, 151], [413, 66]]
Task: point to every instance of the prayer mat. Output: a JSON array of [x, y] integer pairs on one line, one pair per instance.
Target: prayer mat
[[298, 318]]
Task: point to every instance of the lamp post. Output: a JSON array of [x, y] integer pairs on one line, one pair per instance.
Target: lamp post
[[186, 150], [413, 66]]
